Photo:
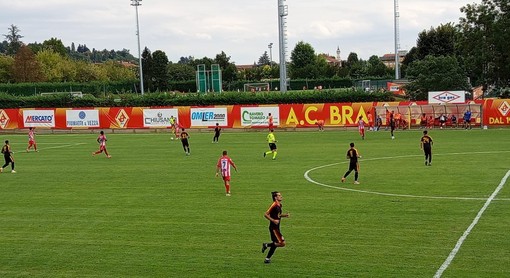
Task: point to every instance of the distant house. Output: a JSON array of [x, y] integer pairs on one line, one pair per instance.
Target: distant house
[[128, 64], [245, 67], [333, 60], [389, 59]]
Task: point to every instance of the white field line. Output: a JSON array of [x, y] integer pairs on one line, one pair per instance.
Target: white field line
[[58, 147], [450, 258], [307, 177]]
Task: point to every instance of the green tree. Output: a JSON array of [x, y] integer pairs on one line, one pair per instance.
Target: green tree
[[439, 41], [26, 68], [264, 59], [186, 60], [356, 66], [435, 74], [52, 65], [228, 69], [4, 45], [115, 71], [6, 63], [13, 39], [56, 46], [351, 59], [376, 68], [410, 57], [159, 70], [57, 68], [483, 42], [204, 61], [303, 61], [147, 66], [181, 72]]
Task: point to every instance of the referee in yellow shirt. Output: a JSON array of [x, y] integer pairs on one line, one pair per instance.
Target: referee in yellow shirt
[[272, 144]]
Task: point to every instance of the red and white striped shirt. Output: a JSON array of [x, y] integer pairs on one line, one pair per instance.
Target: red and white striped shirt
[[224, 165], [102, 140], [361, 125], [31, 136]]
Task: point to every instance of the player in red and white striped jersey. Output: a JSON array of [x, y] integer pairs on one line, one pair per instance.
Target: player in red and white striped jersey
[[101, 139], [223, 167], [31, 139], [361, 127]]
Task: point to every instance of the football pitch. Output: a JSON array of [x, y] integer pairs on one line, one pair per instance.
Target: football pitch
[[152, 211]]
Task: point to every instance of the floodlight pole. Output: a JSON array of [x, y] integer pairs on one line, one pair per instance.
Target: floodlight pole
[[270, 65], [137, 3], [282, 14], [397, 46], [270, 54]]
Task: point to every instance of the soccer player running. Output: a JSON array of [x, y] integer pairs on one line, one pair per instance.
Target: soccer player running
[[426, 145], [217, 131], [352, 155], [361, 127], [184, 140], [271, 139], [9, 159], [101, 139], [31, 139], [370, 121], [274, 215], [392, 124], [172, 126], [223, 168]]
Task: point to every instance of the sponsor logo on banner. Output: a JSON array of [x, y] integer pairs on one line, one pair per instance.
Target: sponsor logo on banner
[[159, 117], [39, 118], [208, 116], [447, 97], [259, 116], [82, 118], [4, 119], [122, 118], [504, 108]]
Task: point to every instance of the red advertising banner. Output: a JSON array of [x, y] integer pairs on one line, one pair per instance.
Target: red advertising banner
[[333, 114], [495, 112], [9, 118]]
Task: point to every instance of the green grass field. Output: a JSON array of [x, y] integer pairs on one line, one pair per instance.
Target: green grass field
[[151, 211]]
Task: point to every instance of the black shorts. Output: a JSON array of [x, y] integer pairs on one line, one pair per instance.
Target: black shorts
[[276, 235], [7, 159], [272, 146], [185, 142], [353, 166]]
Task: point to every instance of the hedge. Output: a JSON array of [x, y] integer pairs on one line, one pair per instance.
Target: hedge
[[191, 99], [98, 88]]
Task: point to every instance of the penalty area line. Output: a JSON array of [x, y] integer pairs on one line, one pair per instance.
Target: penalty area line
[[61, 146], [453, 253]]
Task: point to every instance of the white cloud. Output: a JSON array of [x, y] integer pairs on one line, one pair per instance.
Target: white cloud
[[242, 29]]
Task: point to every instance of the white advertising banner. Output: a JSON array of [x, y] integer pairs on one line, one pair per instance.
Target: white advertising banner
[[447, 97], [208, 116], [259, 116], [39, 118], [159, 117], [82, 118]]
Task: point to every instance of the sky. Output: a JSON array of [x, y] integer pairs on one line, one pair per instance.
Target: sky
[[242, 29]]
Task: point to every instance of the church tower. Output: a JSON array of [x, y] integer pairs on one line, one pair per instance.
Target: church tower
[[339, 60]]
